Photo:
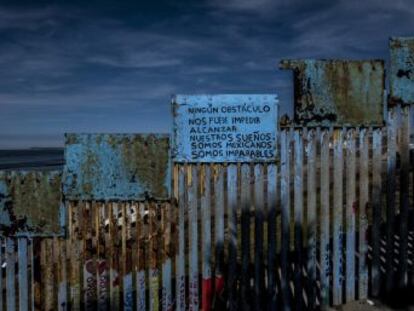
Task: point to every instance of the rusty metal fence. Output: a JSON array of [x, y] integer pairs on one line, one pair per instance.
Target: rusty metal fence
[[326, 226], [329, 223], [319, 229]]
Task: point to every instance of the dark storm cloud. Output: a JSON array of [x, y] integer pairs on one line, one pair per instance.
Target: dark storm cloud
[[103, 66]]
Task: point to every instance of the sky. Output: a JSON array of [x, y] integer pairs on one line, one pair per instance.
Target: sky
[[112, 66]]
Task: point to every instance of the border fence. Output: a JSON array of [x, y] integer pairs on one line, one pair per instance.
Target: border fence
[[329, 223]]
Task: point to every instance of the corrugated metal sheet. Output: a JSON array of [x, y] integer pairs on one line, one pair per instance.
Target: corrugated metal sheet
[[402, 70], [225, 128], [30, 203], [338, 93], [116, 167]]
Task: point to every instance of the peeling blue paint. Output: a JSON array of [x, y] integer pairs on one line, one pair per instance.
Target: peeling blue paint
[[225, 128], [116, 167], [338, 93], [402, 70], [31, 204]]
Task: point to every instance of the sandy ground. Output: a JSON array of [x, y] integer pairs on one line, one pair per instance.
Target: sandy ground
[[368, 306]]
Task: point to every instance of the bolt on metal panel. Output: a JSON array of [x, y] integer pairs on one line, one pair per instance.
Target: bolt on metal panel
[[30, 203], [402, 70], [116, 167], [337, 92]]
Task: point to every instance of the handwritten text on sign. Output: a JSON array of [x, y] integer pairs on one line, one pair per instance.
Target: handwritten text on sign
[[225, 128]]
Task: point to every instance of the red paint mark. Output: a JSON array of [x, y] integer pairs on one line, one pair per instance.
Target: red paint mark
[[116, 282], [206, 294], [103, 281], [219, 285], [90, 267], [90, 283], [102, 266], [354, 207]]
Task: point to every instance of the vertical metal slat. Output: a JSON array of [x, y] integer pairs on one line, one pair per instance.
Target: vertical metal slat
[[337, 217], [206, 298], [232, 228], [350, 212], [325, 254], [259, 223], [285, 206], [192, 183], [311, 216], [363, 218], [23, 275], [376, 211]]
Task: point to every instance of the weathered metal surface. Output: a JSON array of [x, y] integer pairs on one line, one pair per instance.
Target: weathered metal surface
[[338, 93], [245, 226], [116, 167], [10, 275], [23, 275], [193, 273], [337, 225], [206, 285], [181, 236], [285, 200], [232, 207], [219, 205], [350, 215], [391, 206], [377, 209], [30, 203], [272, 205], [364, 202], [325, 191], [298, 214], [225, 128], [402, 70], [310, 152]]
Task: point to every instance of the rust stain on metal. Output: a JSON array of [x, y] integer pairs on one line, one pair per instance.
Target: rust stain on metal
[[402, 71], [148, 157], [338, 93], [189, 176], [117, 167], [30, 203], [202, 181]]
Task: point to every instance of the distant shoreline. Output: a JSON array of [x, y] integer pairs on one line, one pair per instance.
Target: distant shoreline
[[36, 158]]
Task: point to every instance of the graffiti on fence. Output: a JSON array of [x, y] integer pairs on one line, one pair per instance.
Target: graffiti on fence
[[103, 282], [336, 92], [128, 293], [141, 301], [225, 128], [30, 204], [89, 283]]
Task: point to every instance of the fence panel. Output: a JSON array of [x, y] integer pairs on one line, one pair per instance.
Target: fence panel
[[325, 219], [245, 236]]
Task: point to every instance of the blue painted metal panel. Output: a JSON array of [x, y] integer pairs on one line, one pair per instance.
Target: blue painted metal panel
[[225, 128], [30, 203], [338, 92], [116, 167], [402, 70]]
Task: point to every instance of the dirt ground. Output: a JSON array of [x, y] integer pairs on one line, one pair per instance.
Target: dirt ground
[[370, 305]]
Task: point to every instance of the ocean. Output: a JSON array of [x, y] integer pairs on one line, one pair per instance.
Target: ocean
[[32, 159]]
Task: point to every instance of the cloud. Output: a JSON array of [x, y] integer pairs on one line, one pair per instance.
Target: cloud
[[27, 20], [138, 60], [244, 5], [93, 68]]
